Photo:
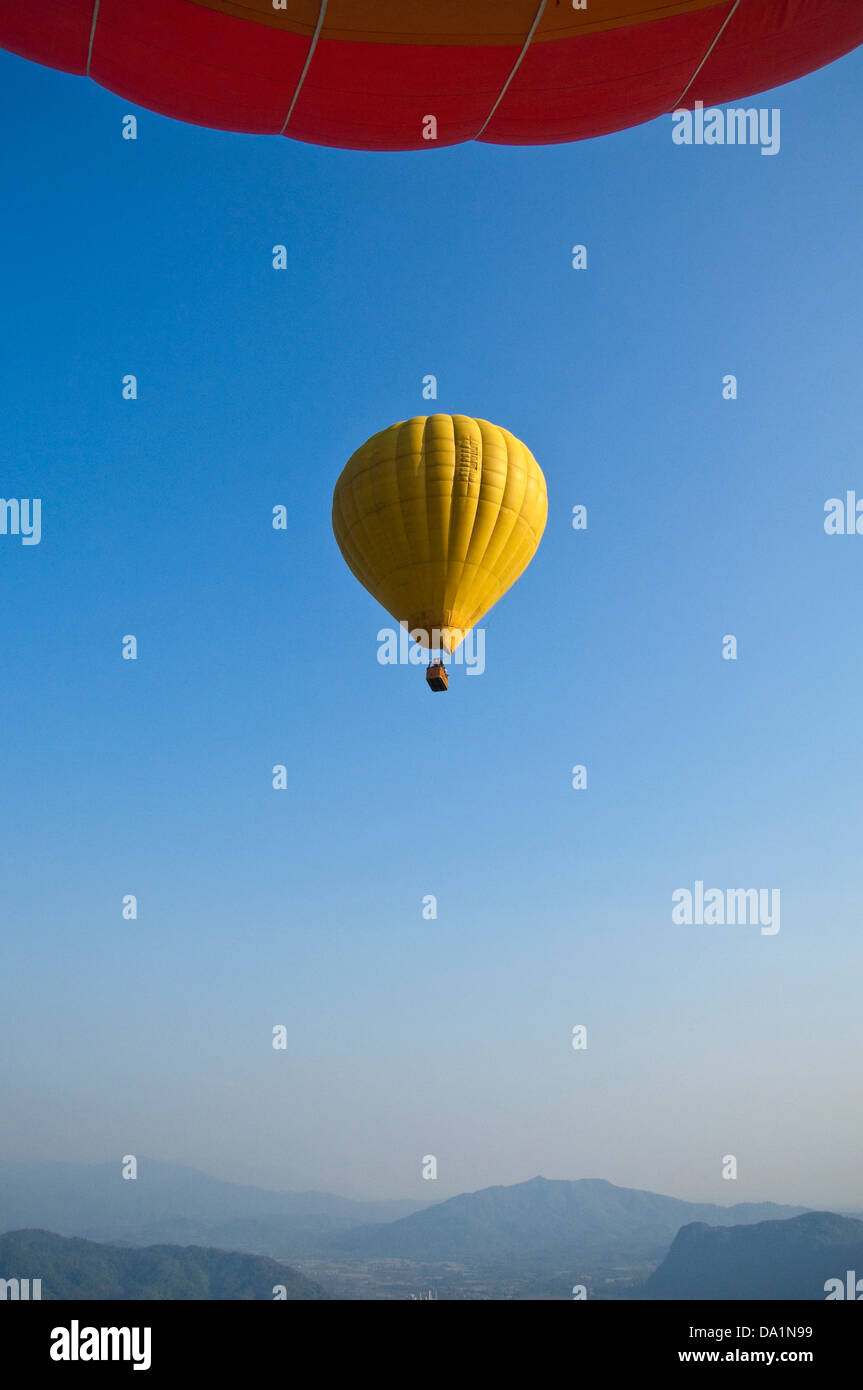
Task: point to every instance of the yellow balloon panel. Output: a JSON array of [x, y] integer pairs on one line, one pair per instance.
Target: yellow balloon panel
[[437, 517]]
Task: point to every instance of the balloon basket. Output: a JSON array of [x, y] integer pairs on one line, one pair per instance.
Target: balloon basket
[[437, 676]]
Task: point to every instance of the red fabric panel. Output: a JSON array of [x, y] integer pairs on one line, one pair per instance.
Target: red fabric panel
[[764, 48], [58, 36], [198, 65], [595, 83], [374, 96]]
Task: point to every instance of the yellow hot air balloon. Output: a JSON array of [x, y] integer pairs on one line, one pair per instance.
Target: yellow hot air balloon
[[437, 517]]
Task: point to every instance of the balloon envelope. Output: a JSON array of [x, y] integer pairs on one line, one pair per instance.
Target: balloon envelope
[[412, 74], [437, 517]]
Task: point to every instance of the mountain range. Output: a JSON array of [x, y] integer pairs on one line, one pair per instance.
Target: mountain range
[[530, 1239], [176, 1205], [583, 1218]]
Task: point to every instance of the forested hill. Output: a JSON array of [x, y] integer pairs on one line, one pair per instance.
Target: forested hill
[[70, 1268]]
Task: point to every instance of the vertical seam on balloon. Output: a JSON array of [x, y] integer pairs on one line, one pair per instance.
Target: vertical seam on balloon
[[445, 612], [426, 472], [400, 510], [516, 517], [92, 35], [448, 609], [312, 46], [719, 34], [518, 62], [362, 543], [346, 484], [476, 565], [344, 528], [347, 545], [464, 513]]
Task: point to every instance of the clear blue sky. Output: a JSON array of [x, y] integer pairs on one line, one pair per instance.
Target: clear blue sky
[[256, 907]]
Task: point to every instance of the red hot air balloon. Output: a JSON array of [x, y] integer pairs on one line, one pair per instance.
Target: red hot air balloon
[[414, 74]]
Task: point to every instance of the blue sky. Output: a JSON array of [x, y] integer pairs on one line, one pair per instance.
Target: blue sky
[[256, 907]]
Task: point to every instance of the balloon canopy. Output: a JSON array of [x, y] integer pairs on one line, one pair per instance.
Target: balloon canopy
[[412, 74], [437, 517]]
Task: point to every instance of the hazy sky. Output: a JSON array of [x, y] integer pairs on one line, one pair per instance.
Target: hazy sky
[[257, 907]]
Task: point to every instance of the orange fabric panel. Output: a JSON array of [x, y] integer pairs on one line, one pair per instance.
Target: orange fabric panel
[[468, 23]]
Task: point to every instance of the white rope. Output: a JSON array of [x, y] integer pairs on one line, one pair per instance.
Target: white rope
[[515, 69], [92, 36], [707, 54], [318, 27]]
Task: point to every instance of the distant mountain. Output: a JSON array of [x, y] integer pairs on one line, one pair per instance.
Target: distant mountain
[[773, 1259], [81, 1269], [167, 1203], [541, 1217]]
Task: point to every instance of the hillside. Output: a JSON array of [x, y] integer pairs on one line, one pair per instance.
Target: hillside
[[81, 1269], [772, 1259]]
